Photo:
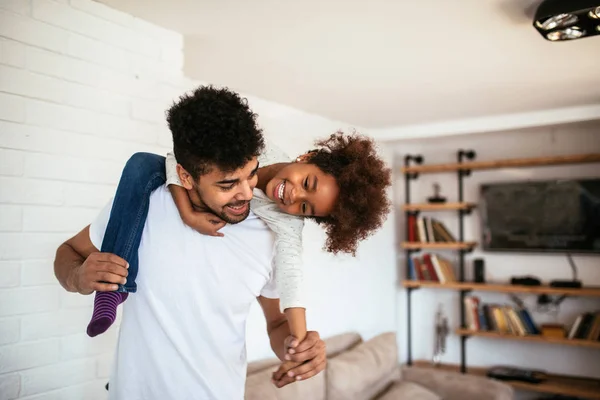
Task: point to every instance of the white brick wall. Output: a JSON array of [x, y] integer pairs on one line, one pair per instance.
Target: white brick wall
[[82, 87]]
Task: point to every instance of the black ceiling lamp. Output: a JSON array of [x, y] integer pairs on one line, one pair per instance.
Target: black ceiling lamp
[[560, 20]]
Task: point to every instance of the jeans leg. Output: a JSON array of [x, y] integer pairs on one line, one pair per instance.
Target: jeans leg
[[143, 173]]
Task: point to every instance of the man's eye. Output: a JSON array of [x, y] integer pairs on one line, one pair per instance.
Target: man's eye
[[228, 187]]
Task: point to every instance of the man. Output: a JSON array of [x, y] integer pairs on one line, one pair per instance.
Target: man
[[183, 333]]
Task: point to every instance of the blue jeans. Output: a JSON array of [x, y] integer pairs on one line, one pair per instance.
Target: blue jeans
[[143, 173]]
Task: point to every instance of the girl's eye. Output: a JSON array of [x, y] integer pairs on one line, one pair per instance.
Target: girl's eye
[[303, 208], [306, 183]]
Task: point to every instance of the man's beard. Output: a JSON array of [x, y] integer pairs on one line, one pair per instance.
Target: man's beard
[[222, 214]]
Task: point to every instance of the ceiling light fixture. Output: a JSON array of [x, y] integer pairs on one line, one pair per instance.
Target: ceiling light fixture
[[561, 20]]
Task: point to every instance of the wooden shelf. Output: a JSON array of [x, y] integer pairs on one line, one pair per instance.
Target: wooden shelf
[[439, 246], [506, 288], [510, 163], [555, 384], [530, 338], [438, 207]]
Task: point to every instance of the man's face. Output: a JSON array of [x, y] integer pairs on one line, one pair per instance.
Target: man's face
[[225, 194]]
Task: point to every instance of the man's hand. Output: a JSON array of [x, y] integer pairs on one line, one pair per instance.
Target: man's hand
[[100, 272], [206, 223], [310, 354]]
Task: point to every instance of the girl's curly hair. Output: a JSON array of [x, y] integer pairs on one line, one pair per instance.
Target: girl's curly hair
[[363, 179]]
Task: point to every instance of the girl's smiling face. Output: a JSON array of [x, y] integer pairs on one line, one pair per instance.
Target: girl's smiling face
[[303, 189]]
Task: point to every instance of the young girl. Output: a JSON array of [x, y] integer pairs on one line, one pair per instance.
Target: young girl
[[341, 185]]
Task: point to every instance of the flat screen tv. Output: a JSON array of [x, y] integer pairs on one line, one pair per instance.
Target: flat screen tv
[[541, 216]]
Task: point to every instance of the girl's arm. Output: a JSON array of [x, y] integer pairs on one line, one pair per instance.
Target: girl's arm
[[288, 268], [204, 222]]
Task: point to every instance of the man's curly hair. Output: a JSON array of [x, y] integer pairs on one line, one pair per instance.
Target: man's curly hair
[[363, 179], [213, 127]]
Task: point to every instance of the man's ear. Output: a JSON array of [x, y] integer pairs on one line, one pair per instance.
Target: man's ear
[[186, 179]]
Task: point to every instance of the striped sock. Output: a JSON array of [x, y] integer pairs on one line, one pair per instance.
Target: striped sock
[[105, 311]]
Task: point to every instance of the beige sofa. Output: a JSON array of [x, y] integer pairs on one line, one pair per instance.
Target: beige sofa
[[369, 370]]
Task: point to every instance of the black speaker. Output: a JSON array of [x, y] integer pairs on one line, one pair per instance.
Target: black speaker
[[479, 270]]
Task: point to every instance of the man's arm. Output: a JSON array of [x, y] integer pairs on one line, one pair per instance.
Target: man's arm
[[79, 267], [310, 352]]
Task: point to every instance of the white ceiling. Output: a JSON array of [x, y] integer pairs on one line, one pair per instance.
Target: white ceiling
[[382, 63]]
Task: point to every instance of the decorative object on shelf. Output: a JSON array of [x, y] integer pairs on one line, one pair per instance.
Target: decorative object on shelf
[[479, 270], [516, 374], [436, 198], [441, 333], [525, 280], [553, 330]]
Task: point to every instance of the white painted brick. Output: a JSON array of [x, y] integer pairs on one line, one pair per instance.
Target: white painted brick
[[29, 355], [9, 331], [70, 300], [10, 274], [93, 390], [159, 71], [61, 323], [53, 219], [12, 53], [81, 345], [37, 272], [18, 6], [10, 385], [82, 195], [28, 300], [12, 108], [97, 52], [96, 99], [32, 32], [97, 28], [43, 87], [19, 246], [84, 121], [11, 219], [103, 11], [57, 376], [173, 56], [12, 163], [25, 83], [104, 366], [87, 73], [72, 169], [30, 191], [165, 138], [151, 111], [39, 139]]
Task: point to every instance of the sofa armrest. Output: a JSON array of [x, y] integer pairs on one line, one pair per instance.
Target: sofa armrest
[[457, 386]]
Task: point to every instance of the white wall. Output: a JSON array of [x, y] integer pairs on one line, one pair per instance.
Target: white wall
[[82, 87], [564, 139]]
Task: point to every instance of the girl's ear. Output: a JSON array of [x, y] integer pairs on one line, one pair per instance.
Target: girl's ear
[[305, 157], [186, 179]]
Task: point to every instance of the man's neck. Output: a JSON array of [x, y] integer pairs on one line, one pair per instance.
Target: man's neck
[[197, 203]]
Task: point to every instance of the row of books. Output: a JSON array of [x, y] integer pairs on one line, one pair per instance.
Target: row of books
[[431, 267], [586, 327], [498, 318], [427, 230]]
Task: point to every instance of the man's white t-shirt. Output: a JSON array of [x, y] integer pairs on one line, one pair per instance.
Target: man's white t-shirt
[[183, 333]]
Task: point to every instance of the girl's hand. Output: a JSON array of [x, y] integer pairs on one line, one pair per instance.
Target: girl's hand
[[206, 223]]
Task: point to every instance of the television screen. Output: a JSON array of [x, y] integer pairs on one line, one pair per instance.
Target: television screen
[[557, 215]]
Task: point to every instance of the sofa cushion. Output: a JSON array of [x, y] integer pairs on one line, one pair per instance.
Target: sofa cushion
[[260, 387], [363, 371], [408, 391], [339, 343]]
